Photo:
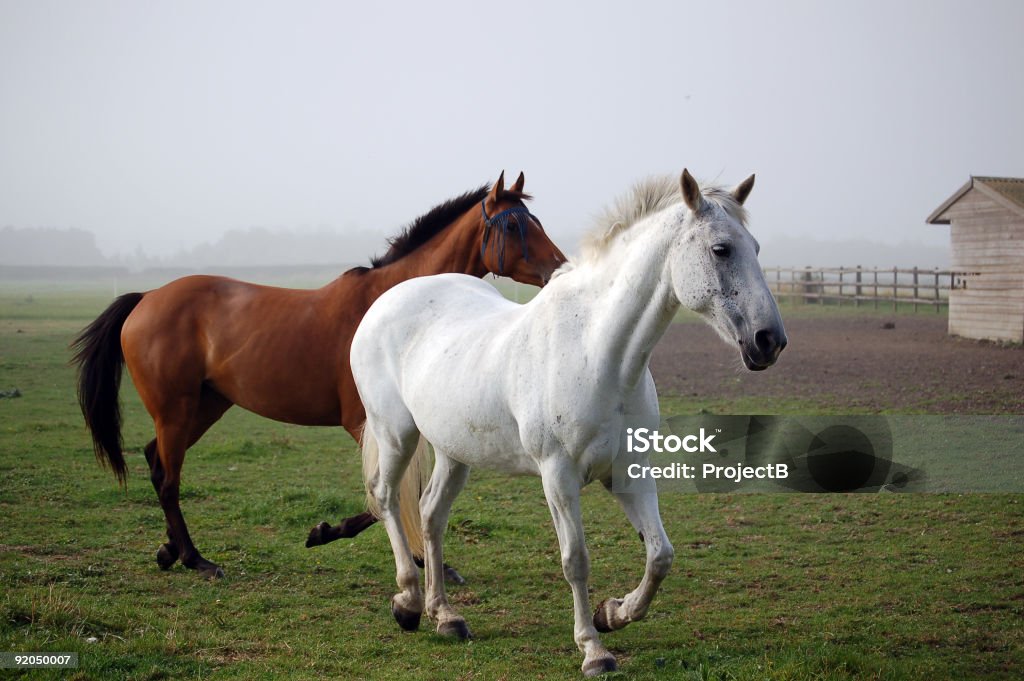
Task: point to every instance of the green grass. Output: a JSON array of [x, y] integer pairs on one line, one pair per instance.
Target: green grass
[[796, 307], [764, 586]]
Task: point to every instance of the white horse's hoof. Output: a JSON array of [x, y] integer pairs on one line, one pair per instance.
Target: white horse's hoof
[[601, 665], [407, 619], [604, 616], [455, 629]]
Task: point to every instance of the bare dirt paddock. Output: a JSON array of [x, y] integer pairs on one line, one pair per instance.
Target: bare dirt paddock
[[850, 362]]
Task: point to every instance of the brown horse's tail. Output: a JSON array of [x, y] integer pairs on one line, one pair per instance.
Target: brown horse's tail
[[410, 489], [100, 362]]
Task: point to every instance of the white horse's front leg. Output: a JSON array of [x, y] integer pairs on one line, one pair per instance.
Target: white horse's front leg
[[447, 480], [642, 510], [393, 458], [562, 489]]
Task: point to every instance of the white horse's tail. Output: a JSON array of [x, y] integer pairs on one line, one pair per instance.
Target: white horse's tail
[[414, 481]]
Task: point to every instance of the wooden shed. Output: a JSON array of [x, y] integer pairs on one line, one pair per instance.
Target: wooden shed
[[987, 235]]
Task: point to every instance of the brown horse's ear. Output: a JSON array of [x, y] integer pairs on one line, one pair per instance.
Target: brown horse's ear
[[498, 189], [742, 190], [520, 181], [691, 192]]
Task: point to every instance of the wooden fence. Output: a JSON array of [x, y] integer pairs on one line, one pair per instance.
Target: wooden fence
[[861, 285]]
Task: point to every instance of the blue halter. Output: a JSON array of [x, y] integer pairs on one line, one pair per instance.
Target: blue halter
[[520, 215]]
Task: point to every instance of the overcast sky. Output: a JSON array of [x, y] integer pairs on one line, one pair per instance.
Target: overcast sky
[[162, 125]]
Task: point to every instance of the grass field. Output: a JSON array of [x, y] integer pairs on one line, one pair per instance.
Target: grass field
[[764, 586]]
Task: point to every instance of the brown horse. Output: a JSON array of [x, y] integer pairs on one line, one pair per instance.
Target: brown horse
[[201, 344]]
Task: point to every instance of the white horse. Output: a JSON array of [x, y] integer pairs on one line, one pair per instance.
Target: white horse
[[547, 388]]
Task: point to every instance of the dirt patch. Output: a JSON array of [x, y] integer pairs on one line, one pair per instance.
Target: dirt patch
[[852, 363]]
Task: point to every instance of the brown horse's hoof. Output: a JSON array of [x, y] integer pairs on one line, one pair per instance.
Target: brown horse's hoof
[[407, 619], [211, 572], [601, 665], [318, 535], [452, 576], [455, 628], [166, 556], [206, 569]]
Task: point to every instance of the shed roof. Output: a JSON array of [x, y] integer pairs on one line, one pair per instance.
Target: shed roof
[[1008, 192]]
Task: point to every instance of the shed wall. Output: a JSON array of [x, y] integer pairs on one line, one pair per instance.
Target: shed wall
[[988, 247]]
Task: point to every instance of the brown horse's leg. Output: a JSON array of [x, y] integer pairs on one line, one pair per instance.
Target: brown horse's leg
[[168, 553], [172, 442], [324, 533]]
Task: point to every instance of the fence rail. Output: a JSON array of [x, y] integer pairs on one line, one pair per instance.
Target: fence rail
[[862, 285]]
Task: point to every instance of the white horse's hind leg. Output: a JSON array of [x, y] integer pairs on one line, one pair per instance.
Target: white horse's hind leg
[[395, 452], [447, 481], [642, 510], [562, 489]]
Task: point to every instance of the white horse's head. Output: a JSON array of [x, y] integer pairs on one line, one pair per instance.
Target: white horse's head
[[715, 272]]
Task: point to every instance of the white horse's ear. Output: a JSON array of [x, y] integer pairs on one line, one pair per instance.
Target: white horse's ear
[[520, 181], [498, 189], [742, 190], [691, 192]]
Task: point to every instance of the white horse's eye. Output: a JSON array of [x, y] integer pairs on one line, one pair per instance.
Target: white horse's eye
[[721, 250]]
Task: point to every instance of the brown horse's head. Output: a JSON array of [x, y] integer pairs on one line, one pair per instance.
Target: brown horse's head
[[512, 240]]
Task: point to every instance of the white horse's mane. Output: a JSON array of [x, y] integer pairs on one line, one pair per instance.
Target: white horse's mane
[[647, 197]]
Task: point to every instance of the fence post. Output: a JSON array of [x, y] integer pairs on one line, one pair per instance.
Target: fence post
[[895, 289], [857, 289], [807, 279], [915, 288], [875, 271], [937, 299], [840, 286]]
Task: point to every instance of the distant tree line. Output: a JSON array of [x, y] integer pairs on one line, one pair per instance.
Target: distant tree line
[[239, 247], [49, 246]]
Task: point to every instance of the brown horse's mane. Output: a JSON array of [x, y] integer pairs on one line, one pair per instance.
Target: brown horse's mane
[[430, 224]]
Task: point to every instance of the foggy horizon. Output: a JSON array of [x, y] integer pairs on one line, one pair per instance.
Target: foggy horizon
[[318, 248], [162, 128]]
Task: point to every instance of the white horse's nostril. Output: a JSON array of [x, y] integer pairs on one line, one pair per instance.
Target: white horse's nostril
[[764, 341]]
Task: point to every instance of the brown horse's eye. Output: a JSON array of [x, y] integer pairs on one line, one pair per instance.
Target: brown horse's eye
[[721, 250]]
